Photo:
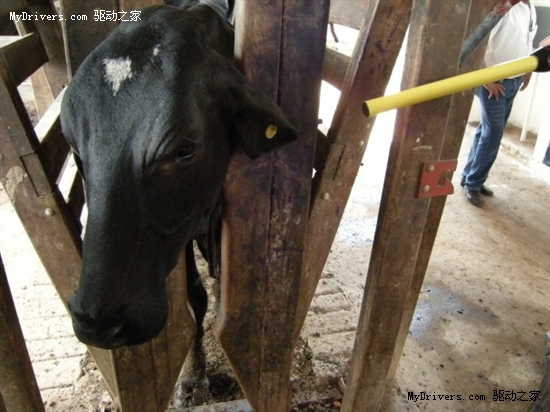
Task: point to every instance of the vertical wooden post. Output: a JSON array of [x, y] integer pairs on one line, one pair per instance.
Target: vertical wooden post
[[145, 375], [374, 56], [49, 80], [459, 111], [280, 46], [18, 389], [83, 36], [435, 38]]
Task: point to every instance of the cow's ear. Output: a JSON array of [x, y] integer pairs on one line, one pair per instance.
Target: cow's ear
[[260, 124]]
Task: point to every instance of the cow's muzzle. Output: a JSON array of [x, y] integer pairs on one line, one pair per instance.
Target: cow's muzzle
[[101, 333], [114, 331]]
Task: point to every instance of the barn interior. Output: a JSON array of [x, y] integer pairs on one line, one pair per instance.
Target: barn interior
[[479, 328]]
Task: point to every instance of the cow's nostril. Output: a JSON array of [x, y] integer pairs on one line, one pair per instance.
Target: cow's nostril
[[100, 335], [102, 332]]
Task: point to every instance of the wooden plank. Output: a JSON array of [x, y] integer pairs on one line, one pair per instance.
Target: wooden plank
[[83, 36], [461, 104], [146, 374], [7, 6], [244, 243], [373, 59], [24, 57], [303, 47], [350, 13], [54, 149], [18, 388], [402, 218], [50, 80], [335, 67], [278, 48], [44, 218], [17, 127]]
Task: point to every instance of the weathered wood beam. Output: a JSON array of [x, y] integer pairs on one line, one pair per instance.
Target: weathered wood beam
[[54, 149], [280, 46], [374, 56], [52, 77], [435, 39], [24, 57], [145, 375], [350, 13], [459, 111], [335, 67], [7, 6]]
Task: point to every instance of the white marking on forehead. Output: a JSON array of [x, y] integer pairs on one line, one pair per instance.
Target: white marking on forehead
[[156, 50], [116, 71]]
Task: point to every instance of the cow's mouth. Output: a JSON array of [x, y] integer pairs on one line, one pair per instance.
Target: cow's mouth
[[112, 337]]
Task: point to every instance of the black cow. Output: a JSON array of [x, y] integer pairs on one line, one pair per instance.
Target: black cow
[[153, 115]]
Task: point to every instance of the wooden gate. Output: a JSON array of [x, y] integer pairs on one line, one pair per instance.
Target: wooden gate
[[279, 224]]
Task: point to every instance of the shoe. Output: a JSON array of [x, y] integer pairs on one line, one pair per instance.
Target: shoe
[[474, 197], [485, 191]]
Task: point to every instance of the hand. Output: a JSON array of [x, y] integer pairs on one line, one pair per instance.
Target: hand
[[526, 80], [496, 90]]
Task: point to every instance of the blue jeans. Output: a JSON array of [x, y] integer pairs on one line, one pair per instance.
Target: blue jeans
[[494, 116]]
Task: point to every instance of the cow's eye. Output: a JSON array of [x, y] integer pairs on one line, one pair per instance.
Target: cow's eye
[[186, 151]]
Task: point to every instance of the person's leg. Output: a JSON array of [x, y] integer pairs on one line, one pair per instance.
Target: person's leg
[[491, 129], [471, 155]]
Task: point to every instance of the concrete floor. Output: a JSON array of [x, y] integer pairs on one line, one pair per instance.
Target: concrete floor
[[484, 310]]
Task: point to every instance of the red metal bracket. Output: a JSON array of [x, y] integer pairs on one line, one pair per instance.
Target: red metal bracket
[[435, 178]]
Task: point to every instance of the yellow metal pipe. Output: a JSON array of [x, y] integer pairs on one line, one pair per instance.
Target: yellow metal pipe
[[451, 85]]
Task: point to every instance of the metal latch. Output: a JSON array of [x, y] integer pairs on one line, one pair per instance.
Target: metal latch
[[435, 178]]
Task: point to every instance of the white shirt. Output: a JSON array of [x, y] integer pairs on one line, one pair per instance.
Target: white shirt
[[512, 37]]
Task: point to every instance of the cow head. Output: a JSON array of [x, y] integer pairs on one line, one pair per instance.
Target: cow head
[[152, 116]]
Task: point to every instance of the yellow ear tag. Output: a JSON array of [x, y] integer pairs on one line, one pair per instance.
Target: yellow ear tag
[[271, 131]]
